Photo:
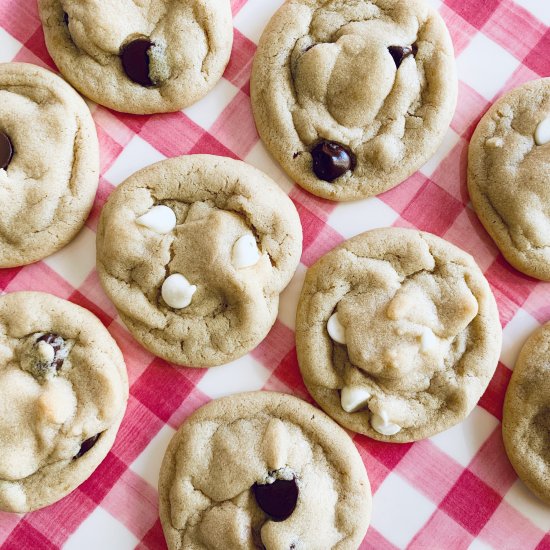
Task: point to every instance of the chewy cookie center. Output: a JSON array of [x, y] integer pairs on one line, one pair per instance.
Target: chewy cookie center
[[45, 402], [394, 340], [230, 239], [353, 75], [346, 89], [48, 418]]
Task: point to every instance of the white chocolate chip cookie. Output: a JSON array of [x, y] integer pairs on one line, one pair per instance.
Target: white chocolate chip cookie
[[526, 418], [416, 337], [49, 163], [63, 393], [139, 56], [263, 470], [509, 175], [352, 97], [194, 252]]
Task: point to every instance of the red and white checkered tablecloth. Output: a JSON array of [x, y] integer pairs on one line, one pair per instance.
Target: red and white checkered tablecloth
[[456, 490]]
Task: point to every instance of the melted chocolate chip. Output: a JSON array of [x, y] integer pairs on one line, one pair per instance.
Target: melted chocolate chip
[[135, 61], [87, 445], [331, 160], [400, 52], [278, 499], [57, 344], [6, 150]]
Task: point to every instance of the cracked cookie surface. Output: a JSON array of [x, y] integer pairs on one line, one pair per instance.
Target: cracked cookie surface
[[508, 174], [63, 393], [231, 466], [194, 252], [526, 418], [397, 334], [178, 49], [49, 163], [373, 82]]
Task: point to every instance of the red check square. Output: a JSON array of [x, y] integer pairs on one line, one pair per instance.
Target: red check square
[[538, 59], [476, 13], [432, 209], [26, 536], [470, 502]]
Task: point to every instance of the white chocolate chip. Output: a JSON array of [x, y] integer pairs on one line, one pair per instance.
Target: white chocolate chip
[[382, 425], [428, 340], [160, 219], [495, 142], [46, 353], [542, 133], [336, 330], [177, 292], [58, 402], [245, 252], [352, 399]]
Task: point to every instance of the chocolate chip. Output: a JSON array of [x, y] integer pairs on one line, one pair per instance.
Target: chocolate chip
[[135, 61], [331, 160], [278, 499], [87, 445], [58, 345], [6, 150], [400, 52]]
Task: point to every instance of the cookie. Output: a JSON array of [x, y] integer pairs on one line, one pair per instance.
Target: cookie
[[397, 334], [353, 97], [49, 163], [194, 252], [263, 470], [139, 57], [526, 418], [63, 393], [508, 174]]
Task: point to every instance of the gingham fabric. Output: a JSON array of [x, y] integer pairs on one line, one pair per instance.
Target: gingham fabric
[[456, 490]]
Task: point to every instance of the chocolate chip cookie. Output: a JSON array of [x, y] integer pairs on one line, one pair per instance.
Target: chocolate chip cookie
[[49, 163], [139, 57], [353, 97], [508, 175], [63, 393], [526, 418], [194, 252], [397, 334], [263, 470]]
